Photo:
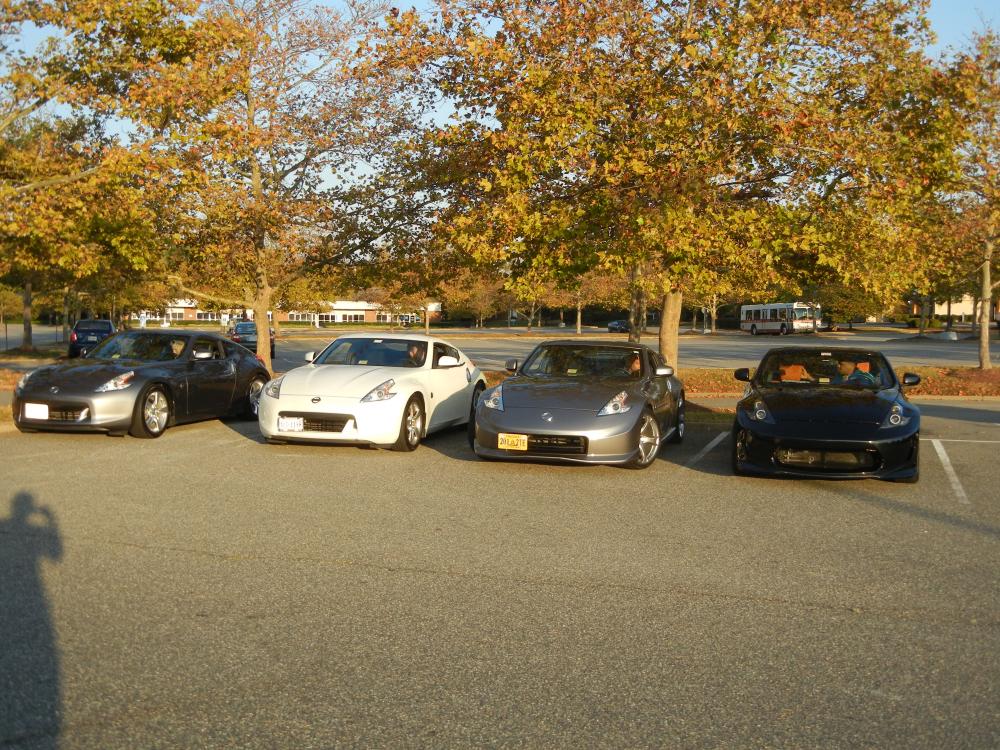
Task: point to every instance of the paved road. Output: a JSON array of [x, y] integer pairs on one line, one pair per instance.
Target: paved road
[[208, 590], [729, 349]]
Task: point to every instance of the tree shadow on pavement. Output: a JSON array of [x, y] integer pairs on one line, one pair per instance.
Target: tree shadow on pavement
[[960, 413], [30, 712]]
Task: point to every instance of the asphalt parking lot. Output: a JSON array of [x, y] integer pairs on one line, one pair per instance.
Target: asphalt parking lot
[[208, 590]]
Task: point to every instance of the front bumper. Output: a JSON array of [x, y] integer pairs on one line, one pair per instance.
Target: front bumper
[[69, 412], [805, 452], [333, 420], [572, 436]]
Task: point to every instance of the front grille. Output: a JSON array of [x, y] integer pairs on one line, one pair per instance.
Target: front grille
[[824, 460], [557, 445], [68, 412], [320, 422]]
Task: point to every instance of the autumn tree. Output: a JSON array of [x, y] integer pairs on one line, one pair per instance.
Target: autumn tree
[[264, 170], [599, 134], [976, 73]]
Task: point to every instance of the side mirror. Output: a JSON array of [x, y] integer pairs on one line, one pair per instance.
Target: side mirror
[[910, 378], [742, 374], [665, 372], [310, 356], [510, 365], [447, 361]]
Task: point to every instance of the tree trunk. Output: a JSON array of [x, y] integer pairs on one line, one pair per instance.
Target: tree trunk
[[923, 315], [261, 305], [26, 341], [694, 320], [635, 307], [670, 318], [948, 325], [427, 320], [986, 291], [975, 314], [714, 310], [64, 336], [579, 317]]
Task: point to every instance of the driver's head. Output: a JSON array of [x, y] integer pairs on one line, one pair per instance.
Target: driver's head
[[846, 366]]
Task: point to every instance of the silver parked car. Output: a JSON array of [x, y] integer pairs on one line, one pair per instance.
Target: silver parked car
[[582, 402], [141, 382]]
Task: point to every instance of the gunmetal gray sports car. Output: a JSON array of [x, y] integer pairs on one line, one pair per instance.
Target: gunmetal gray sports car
[[582, 402], [828, 414], [142, 382]]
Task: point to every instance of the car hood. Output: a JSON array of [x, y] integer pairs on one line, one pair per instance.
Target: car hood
[[563, 393], [848, 405], [81, 374], [346, 381]]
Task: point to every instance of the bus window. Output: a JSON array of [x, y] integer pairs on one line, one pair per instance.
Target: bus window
[[783, 314]]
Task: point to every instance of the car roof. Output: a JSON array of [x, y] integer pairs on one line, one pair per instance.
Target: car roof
[[832, 350], [397, 336], [594, 342]]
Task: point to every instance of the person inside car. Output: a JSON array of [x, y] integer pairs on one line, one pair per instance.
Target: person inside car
[[415, 354], [848, 371]]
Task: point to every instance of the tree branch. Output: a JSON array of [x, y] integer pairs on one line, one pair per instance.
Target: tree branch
[[205, 295]]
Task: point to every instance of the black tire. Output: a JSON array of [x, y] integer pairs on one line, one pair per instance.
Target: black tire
[[783, 330], [677, 436], [471, 426], [909, 480], [152, 413], [411, 425], [254, 391], [737, 471], [649, 442], [753, 330], [916, 475]]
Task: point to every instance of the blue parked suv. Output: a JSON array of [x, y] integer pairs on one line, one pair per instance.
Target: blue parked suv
[[87, 334]]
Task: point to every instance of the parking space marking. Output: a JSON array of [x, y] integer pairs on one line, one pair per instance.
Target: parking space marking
[[704, 451], [950, 471], [959, 440]]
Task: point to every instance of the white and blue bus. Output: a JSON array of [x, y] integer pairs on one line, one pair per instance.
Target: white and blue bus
[[779, 318]]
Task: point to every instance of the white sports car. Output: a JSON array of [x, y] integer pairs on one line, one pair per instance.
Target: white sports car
[[372, 389]]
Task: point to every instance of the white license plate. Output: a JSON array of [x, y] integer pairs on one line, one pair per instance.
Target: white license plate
[[36, 411], [512, 442], [290, 424], [91, 338]]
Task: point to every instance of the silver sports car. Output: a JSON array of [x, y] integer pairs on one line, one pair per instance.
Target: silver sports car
[[582, 402], [141, 382]]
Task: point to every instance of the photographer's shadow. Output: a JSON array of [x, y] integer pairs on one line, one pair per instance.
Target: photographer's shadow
[[30, 713]]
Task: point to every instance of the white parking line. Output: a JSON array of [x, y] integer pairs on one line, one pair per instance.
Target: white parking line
[[704, 451], [959, 440], [950, 471]]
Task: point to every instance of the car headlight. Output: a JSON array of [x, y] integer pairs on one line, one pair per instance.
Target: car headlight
[[273, 388], [897, 417], [617, 405], [760, 413], [381, 392], [23, 381], [494, 399], [116, 384]]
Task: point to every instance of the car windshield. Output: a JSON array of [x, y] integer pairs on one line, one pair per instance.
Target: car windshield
[[850, 369], [144, 347], [561, 360], [93, 325], [374, 353]]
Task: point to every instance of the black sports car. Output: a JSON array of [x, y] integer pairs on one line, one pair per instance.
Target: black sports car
[[141, 382], [826, 413], [582, 402]]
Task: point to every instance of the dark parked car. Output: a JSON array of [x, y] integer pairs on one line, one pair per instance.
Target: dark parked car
[[142, 382], [87, 334], [826, 413], [582, 402], [245, 334], [619, 326]]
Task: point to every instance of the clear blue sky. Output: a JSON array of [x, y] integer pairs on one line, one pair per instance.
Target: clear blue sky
[[954, 20]]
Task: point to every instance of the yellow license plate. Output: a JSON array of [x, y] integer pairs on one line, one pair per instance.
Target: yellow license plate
[[512, 442]]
